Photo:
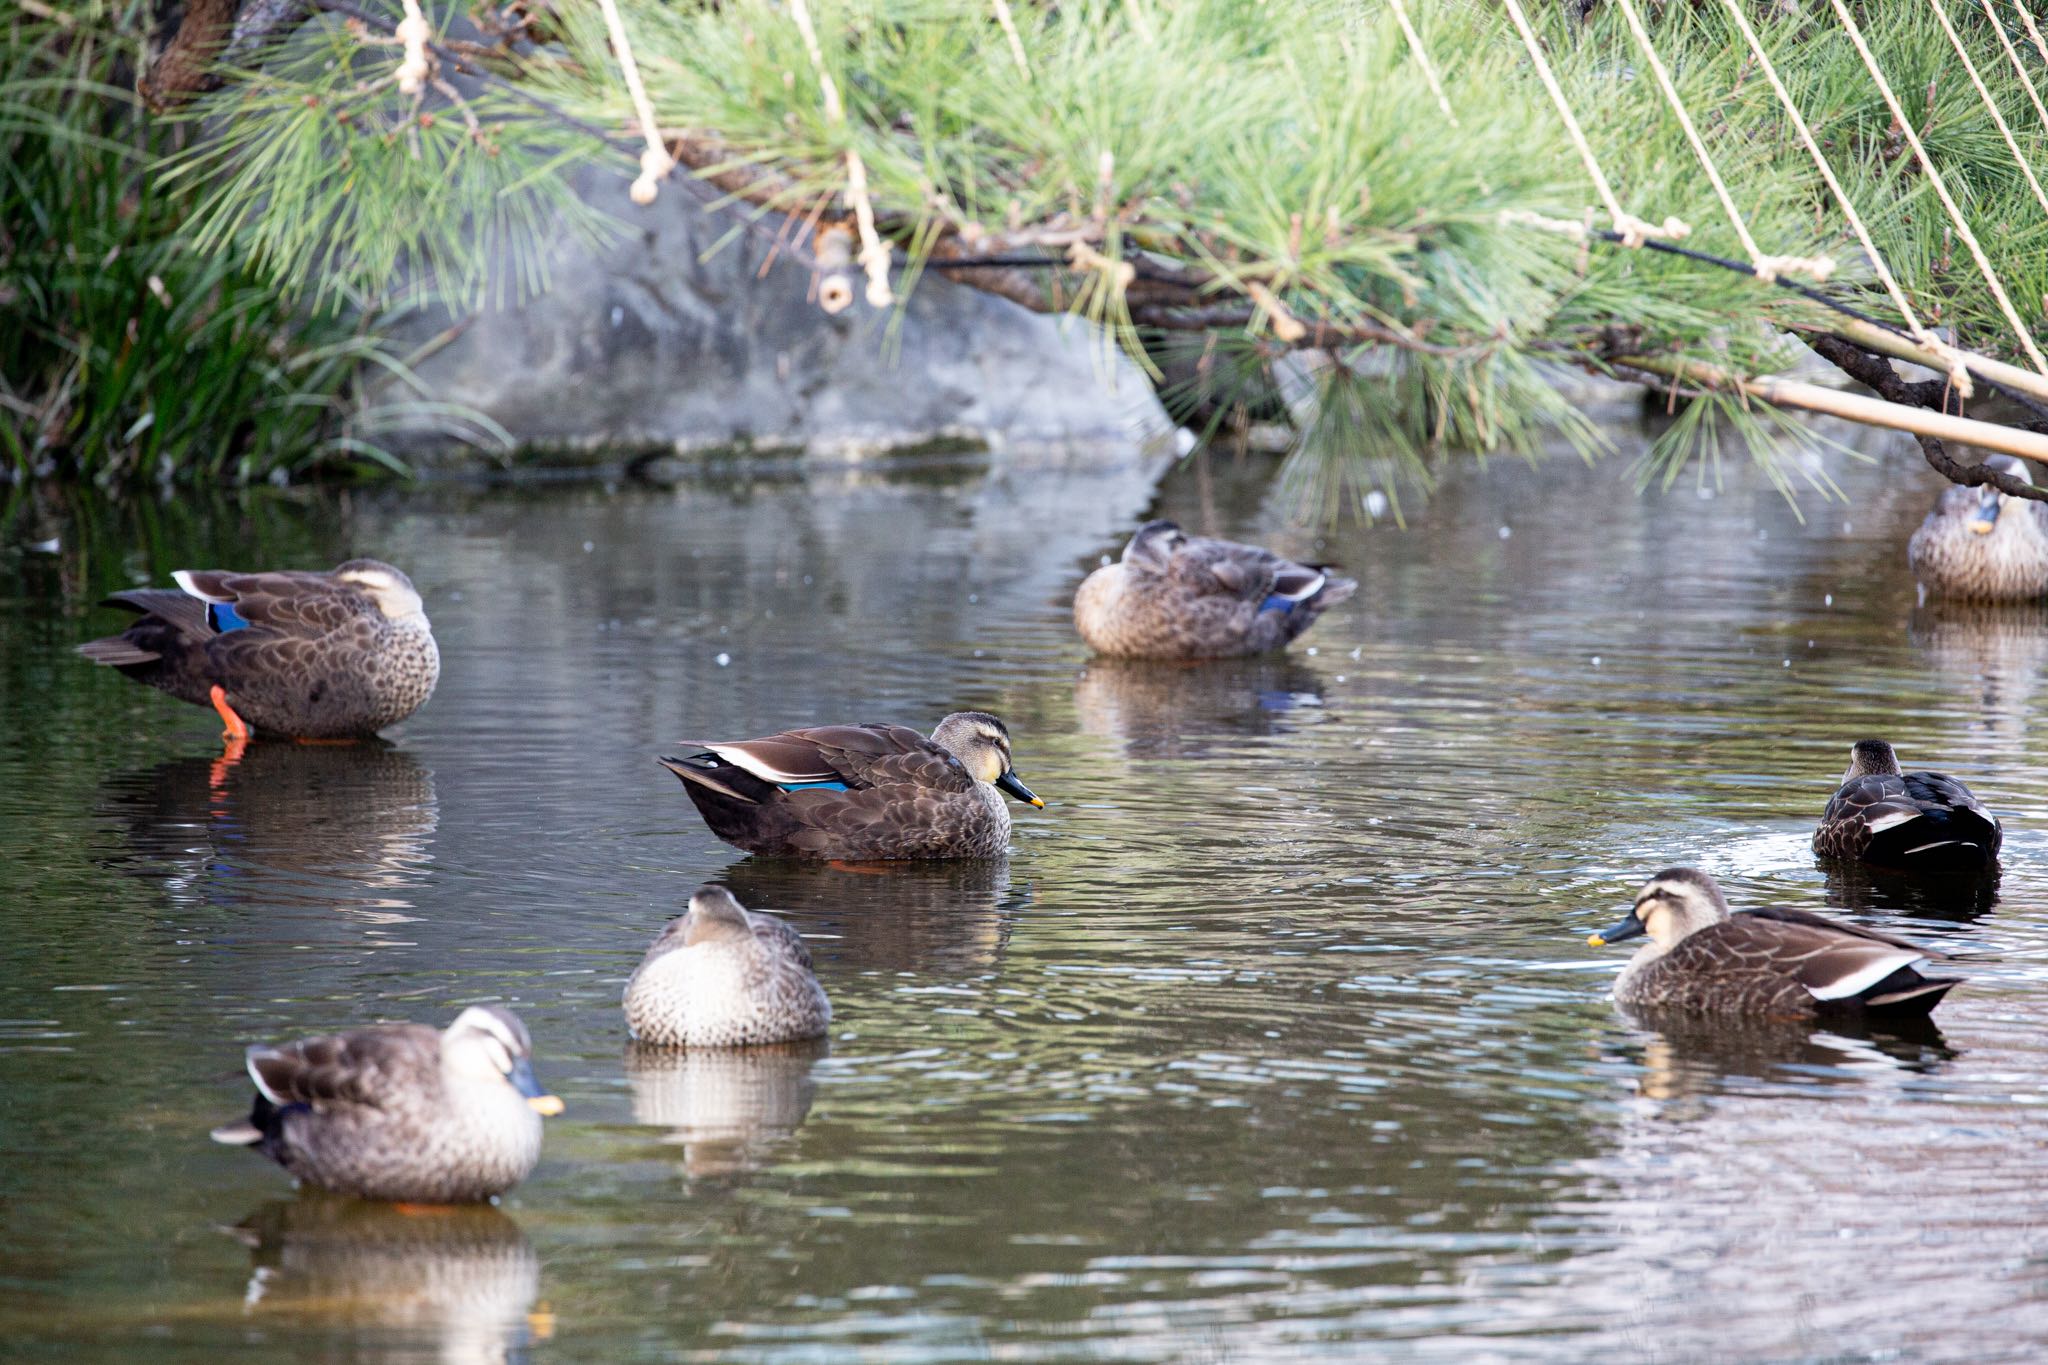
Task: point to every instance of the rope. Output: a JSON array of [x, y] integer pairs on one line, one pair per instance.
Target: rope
[[655, 162], [1421, 59], [2013, 53], [1957, 374], [1991, 107], [1634, 231], [1768, 268], [414, 31], [1009, 26], [1948, 202], [874, 257], [2032, 32]]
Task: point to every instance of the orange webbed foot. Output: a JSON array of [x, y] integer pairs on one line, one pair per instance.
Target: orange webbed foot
[[238, 729]]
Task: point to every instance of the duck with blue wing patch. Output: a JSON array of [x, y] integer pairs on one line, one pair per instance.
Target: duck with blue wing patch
[[1908, 822], [1176, 596], [316, 656], [860, 793]]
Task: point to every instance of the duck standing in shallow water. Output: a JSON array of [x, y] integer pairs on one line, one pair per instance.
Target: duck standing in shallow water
[[316, 656], [1909, 822], [1701, 957], [1982, 545], [860, 793], [720, 977], [1176, 596], [401, 1112]]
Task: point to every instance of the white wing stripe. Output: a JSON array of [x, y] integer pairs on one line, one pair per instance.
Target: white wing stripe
[[183, 578], [740, 758], [1892, 819], [1857, 982]]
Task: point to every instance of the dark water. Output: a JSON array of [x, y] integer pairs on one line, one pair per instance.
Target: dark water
[[1276, 1037]]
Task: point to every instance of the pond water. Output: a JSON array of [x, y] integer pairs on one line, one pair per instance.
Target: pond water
[[1276, 1037]]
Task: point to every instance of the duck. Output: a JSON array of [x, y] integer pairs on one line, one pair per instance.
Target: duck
[[1908, 822], [306, 655], [860, 793], [1704, 958], [1176, 596], [401, 1113], [718, 976], [1979, 544]]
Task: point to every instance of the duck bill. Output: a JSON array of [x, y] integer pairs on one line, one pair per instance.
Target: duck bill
[[1986, 520], [538, 1100], [1630, 926], [1009, 783]]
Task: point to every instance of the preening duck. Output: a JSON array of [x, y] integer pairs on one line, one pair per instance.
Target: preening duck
[[721, 977], [337, 655], [1701, 957], [1909, 822], [861, 792], [401, 1112], [1176, 596], [1983, 545]]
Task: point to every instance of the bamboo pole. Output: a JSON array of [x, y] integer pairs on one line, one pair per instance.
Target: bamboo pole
[[1872, 338], [1855, 407]]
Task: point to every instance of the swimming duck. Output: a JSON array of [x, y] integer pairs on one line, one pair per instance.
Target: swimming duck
[[720, 977], [1911, 822], [401, 1111], [1176, 596], [317, 656], [1981, 544], [861, 792], [1786, 963]]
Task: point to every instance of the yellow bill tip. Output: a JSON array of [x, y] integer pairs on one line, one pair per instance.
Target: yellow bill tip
[[1981, 528], [1038, 803], [1594, 940], [547, 1106]]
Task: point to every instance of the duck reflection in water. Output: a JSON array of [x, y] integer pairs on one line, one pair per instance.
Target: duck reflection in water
[[454, 1284], [1860, 889], [1165, 709], [1693, 1056], [284, 822], [927, 918], [1994, 649], [728, 1108]]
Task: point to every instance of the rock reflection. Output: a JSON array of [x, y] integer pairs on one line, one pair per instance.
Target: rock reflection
[[460, 1284], [1998, 648], [1159, 709], [1857, 888], [945, 917], [729, 1108], [1688, 1056], [299, 818]]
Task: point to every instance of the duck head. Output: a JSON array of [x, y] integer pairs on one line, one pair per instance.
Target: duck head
[[716, 916], [1155, 543], [1673, 904], [389, 588], [488, 1044], [1977, 508], [1870, 758], [982, 744]]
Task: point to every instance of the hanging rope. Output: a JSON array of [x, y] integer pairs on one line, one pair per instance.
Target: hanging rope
[[2013, 54], [1421, 59], [1634, 231], [1948, 202], [1990, 106], [655, 162], [1768, 268], [874, 257]]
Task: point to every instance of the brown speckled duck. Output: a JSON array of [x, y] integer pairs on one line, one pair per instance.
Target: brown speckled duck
[[1909, 822], [1983, 545], [401, 1112], [1176, 596], [1703, 958], [316, 656], [861, 793], [720, 977]]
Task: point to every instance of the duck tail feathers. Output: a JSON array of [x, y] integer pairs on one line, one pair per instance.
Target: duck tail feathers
[[240, 1133], [1919, 997], [700, 769], [116, 652]]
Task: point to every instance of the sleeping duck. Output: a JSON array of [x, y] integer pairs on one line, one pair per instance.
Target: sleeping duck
[[1176, 596], [719, 976], [1909, 822], [1701, 957], [317, 656], [861, 793]]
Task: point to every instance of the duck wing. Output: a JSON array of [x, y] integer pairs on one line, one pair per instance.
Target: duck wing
[[289, 602], [861, 757], [1841, 966], [358, 1068], [1225, 568]]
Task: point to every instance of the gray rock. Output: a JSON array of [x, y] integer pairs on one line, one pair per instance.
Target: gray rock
[[645, 345]]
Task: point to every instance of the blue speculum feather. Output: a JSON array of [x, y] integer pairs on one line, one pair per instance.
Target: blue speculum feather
[[224, 617], [812, 786], [1277, 603]]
